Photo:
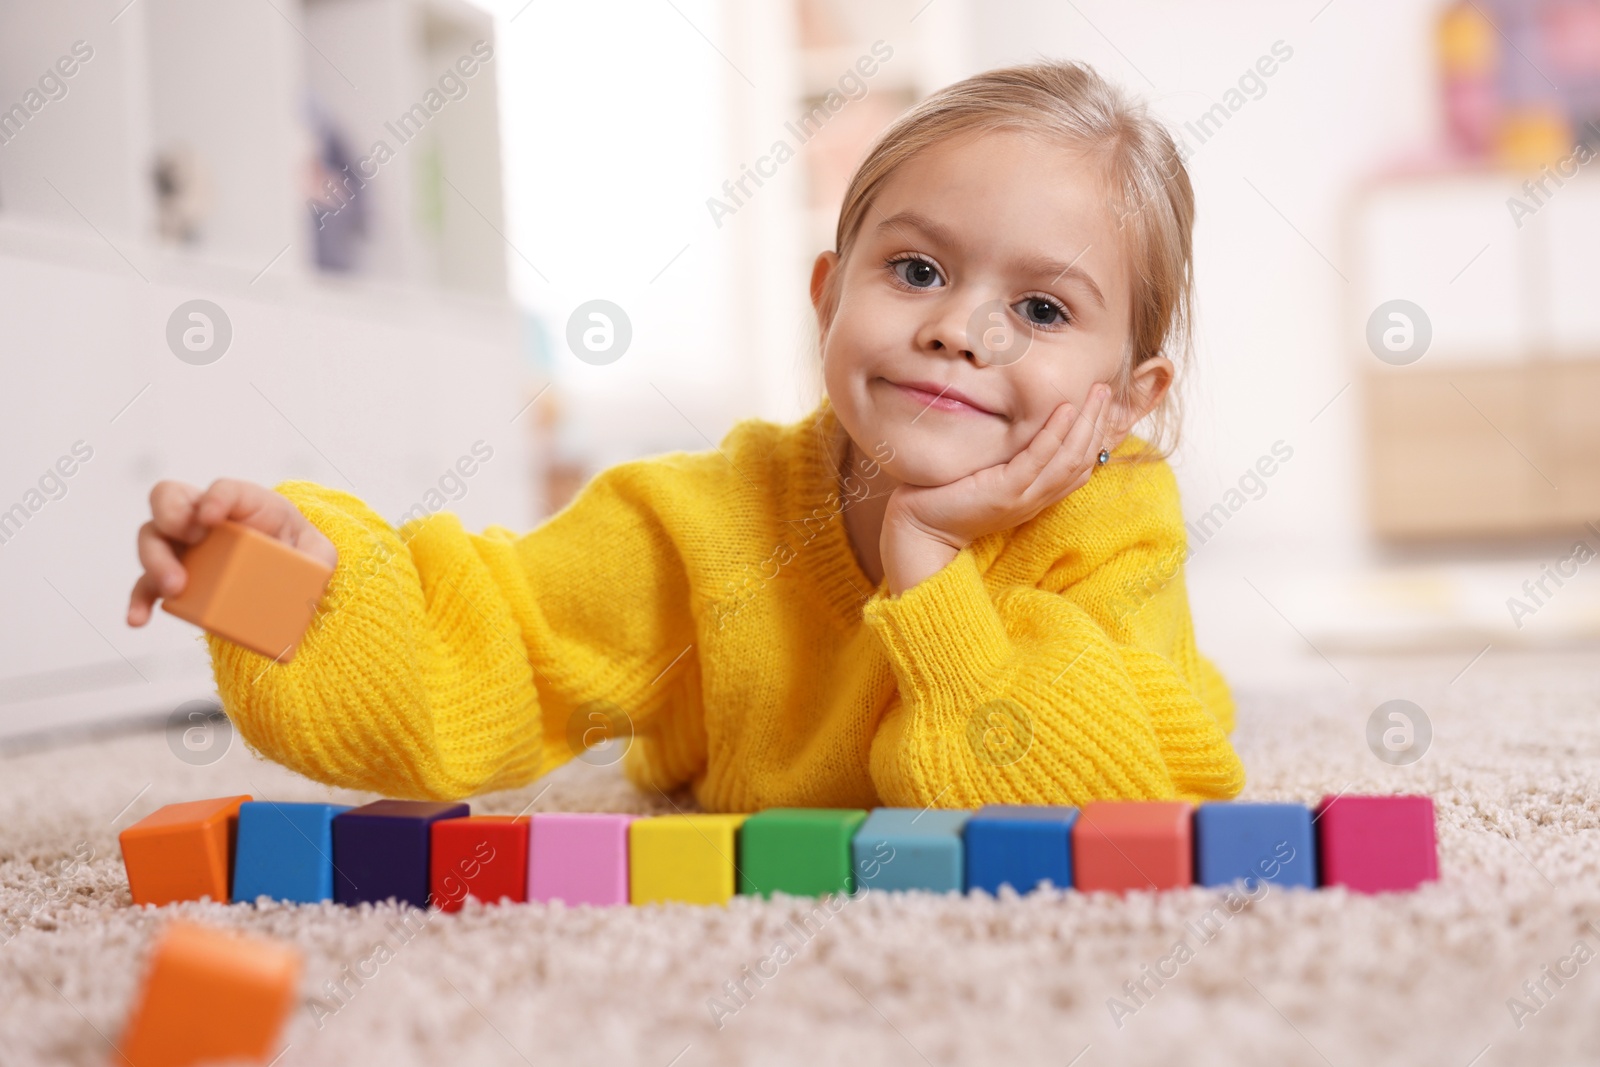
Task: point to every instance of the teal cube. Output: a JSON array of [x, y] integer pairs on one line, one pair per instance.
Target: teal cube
[[911, 848], [285, 851]]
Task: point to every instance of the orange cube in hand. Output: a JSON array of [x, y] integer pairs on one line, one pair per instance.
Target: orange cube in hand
[[182, 851], [251, 589], [210, 995]]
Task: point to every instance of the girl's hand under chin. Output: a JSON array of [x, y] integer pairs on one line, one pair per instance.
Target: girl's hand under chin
[[924, 527]]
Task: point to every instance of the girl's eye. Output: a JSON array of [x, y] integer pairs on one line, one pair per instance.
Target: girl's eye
[[1042, 311], [916, 272]]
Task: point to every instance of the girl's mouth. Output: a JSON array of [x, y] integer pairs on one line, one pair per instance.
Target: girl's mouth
[[940, 398]]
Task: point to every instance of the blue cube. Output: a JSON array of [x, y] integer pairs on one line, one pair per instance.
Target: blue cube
[[285, 851], [910, 848], [1019, 845], [381, 850], [1236, 842]]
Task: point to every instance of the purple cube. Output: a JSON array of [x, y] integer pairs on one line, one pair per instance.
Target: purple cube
[[380, 850]]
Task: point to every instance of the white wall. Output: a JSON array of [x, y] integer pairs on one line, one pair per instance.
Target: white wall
[[614, 120]]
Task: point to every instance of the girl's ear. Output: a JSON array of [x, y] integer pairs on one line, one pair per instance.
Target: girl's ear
[[1150, 382], [821, 292]]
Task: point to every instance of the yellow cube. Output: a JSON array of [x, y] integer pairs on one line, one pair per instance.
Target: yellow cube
[[690, 858]]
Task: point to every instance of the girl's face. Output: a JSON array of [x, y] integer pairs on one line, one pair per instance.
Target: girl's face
[[989, 267]]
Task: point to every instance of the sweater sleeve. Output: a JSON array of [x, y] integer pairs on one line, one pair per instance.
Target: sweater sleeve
[[1026, 695], [442, 663]]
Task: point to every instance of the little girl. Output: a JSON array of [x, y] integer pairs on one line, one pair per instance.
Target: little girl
[[956, 582]]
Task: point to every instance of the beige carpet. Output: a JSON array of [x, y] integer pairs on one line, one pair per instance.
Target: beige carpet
[[1297, 978]]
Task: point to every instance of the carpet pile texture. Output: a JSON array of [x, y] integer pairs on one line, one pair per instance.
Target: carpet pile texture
[[1496, 964]]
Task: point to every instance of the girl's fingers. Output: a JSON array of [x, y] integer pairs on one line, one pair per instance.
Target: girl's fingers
[[1074, 458], [1059, 459], [183, 515], [172, 511], [144, 596], [1026, 466], [245, 502], [172, 522], [221, 500], [1085, 437], [160, 561], [1101, 422]]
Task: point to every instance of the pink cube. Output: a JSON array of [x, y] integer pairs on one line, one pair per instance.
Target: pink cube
[[579, 858], [1377, 844]]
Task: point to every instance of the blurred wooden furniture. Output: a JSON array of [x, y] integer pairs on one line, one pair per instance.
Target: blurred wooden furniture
[[1490, 450]]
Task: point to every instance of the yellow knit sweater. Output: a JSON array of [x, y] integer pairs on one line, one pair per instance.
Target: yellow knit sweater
[[715, 600]]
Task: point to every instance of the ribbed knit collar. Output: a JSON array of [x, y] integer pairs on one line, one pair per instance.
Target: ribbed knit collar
[[814, 511]]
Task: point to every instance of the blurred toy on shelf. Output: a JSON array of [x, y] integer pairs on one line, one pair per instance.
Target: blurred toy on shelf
[[1519, 80]]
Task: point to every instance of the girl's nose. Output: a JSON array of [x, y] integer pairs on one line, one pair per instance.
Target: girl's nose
[[946, 331], [986, 333]]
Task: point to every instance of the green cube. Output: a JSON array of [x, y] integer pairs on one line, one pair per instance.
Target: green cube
[[804, 852]]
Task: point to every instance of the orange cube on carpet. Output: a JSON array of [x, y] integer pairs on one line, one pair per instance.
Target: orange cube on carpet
[[251, 589], [1133, 844], [182, 851], [211, 995]]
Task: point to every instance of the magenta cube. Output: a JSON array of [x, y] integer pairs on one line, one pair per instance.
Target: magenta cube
[[1377, 844], [578, 858]]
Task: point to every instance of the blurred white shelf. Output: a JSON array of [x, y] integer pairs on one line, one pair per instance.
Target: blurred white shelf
[[377, 380], [1489, 432], [1497, 287], [239, 95]]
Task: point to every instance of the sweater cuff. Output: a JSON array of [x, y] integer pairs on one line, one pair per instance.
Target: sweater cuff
[[367, 548], [944, 632]]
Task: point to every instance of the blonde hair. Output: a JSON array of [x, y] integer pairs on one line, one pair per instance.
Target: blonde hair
[[1141, 167]]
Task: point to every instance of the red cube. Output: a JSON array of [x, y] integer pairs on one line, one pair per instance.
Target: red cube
[[485, 856], [1133, 844], [1377, 844]]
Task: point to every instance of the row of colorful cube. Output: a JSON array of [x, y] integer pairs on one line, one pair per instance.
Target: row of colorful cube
[[235, 848]]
